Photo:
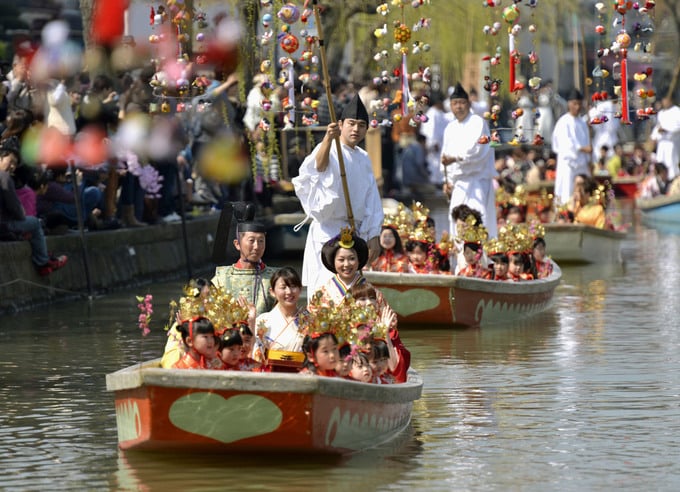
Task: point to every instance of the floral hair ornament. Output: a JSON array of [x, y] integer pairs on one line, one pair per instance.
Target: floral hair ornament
[[346, 238]]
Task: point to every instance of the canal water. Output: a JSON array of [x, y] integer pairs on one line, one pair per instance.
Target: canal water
[[585, 396]]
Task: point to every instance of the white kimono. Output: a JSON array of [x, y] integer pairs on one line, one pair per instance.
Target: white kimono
[[570, 134], [472, 174], [322, 198], [668, 142], [279, 334], [433, 130], [606, 133]]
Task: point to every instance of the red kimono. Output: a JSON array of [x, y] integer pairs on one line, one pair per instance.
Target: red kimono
[[543, 268], [189, 362], [477, 271], [390, 261]]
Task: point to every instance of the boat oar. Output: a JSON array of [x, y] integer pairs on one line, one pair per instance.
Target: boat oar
[[331, 110]]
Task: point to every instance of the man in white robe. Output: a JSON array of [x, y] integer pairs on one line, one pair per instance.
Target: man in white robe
[[467, 162], [433, 130], [571, 143], [666, 133], [319, 188], [605, 128]]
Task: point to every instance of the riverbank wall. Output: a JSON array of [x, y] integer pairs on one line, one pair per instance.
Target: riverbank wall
[[115, 259]]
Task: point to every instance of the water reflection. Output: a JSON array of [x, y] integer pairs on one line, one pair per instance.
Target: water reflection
[[584, 396]]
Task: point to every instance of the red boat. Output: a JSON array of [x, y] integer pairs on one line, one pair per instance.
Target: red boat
[[451, 300], [247, 412]]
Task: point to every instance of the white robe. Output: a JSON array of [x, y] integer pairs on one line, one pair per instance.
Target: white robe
[[280, 334], [606, 133], [570, 134], [433, 130], [472, 175], [668, 142], [322, 198]]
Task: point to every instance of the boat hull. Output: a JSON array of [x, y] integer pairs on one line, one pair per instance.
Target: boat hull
[[451, 300], [242, 412], [662, 212], [579, 243]]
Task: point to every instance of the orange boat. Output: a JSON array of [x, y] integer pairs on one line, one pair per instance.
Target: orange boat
[[247, 412], [451, 300]]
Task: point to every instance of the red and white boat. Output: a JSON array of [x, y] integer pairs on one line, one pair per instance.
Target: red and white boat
[[247, 412], [452, 300]]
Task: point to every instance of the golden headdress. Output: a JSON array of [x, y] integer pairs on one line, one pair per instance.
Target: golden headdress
[[219, 306], [473, 233], [347, 320], [544, 201], [519, 238]]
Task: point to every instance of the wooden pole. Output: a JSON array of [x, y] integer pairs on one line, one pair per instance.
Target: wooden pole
[[331, 110]]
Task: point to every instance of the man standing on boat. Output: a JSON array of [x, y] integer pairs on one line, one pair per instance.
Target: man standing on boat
[[320, 190], [249, 276], [666, 134], [571, 143], [467, 162]]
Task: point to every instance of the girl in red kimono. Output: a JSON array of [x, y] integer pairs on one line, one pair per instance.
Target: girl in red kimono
[[420, 258], [517, 270], [399, 356], [198, 335], [392, 257], [231, 347], [472, 252], [542, 263], [321, 354]]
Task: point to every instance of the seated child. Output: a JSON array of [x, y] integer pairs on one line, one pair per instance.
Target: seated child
[[321, 354], [198, 335], [500, 266], [174, 347], [517, 269], [400, 357], [419, 260], [392, 257], [248, 363], [230, 350], [472, 252], [542, 264], [344, 366], [379, 360], [361, 368]]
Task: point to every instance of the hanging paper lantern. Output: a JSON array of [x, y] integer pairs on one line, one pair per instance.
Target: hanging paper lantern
[[289, 13], [289, 43]]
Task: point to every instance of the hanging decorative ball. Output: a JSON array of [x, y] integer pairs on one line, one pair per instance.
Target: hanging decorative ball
[[623, 6], [623, 39], [289, 13], [200, 37], [510, 13], [289, 43], [402, 33], [267, 20]]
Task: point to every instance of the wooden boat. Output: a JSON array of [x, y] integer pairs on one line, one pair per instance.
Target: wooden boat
[[661, 212], [579, 243], [245, 412], [623, 186], [447, 299]]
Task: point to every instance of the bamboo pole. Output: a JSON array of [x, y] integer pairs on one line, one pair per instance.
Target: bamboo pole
[[331, 110]]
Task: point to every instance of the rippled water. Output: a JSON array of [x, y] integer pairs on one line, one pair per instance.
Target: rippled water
[[585, 396]]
